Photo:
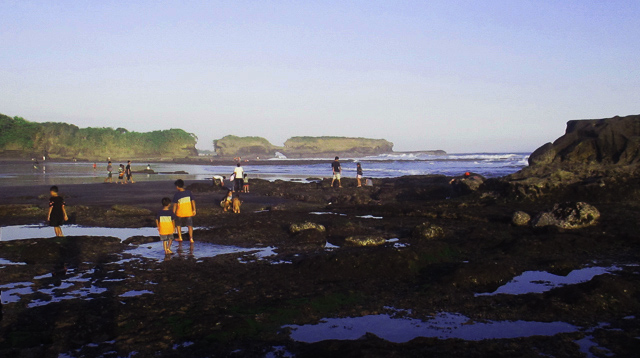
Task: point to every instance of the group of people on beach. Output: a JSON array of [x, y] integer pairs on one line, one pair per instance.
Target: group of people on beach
[[122, 172], [176, 213], [336, 167]]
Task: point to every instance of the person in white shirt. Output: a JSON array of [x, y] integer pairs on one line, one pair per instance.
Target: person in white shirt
[[238, 173]]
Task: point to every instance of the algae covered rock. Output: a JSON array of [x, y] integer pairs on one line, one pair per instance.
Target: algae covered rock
[[296, 228], [428, 231], [568, 216], [365, 240], [520, 218]]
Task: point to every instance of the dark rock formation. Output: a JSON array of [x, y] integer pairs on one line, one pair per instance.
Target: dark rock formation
[[603, 141]]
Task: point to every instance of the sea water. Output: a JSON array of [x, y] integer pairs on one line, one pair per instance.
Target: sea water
[[381, 166]]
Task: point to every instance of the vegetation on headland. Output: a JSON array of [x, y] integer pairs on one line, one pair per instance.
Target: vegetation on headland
[[20, 138]]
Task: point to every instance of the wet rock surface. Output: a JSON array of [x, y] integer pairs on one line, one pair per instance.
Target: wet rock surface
[[249, 280], [568, 216]]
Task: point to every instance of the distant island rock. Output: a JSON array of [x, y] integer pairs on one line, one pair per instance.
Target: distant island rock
[[301, 147], [234, 146], [20, 138], [320, 147], [308, 147]]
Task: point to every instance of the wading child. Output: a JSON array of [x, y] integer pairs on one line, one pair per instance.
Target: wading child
[[166, 222], [185, 209], [57, 213], [246, 183], [109, 173]]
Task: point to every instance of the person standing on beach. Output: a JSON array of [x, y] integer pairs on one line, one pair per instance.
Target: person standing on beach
[[184, 206], [57, 212], [337, 171], [166, 222], [109, 173], [359, 174], [127, 172], [239, 175], [246, 183]]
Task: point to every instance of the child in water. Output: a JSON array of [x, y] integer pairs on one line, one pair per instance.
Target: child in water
[[166, 222], [57, 213]]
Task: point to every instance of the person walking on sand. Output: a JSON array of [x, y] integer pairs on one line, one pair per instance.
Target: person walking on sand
[[109, 178], [184, 206], [239, 175], [166, 223], [337, 171], [359, 175], [57, 212], [128, 173]]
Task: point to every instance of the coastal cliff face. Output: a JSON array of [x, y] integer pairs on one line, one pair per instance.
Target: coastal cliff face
[[234, 146], [330, 146], [599, 141], [20, 138]]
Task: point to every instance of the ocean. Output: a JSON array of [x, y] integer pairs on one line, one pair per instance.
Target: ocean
[[381, 166]]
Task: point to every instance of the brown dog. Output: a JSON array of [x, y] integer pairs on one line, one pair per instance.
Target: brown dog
[[236, 205]]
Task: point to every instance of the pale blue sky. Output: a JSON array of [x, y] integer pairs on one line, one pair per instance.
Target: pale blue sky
[[462, 76]]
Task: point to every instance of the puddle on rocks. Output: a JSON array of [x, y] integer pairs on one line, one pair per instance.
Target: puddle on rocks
[[442, 326], [196, 250], [326, 213], [541, 281], [135, 293], [21, 232], [370, 217], [4, 262]]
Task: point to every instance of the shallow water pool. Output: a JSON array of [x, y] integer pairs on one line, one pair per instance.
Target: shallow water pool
[[541, 281], [442, 326], [22, 232]]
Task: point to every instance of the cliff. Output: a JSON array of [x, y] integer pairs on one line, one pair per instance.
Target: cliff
[[298, 147], [610, 141], [233, 146], [20, 138]]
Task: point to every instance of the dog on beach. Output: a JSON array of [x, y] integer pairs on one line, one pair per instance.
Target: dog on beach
[[236, 205]]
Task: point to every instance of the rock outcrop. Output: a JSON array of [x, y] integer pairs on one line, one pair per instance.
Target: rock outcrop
[[598, 141], [591, 158], [365, 240], [568, 216], [520, 218]]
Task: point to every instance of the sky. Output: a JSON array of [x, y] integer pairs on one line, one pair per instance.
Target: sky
[[462, 76]]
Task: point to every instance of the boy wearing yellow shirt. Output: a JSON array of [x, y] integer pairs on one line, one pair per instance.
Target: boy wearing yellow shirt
[[184, 206], [166, 222]]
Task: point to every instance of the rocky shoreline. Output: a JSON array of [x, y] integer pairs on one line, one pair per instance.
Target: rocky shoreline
[[413, 266]]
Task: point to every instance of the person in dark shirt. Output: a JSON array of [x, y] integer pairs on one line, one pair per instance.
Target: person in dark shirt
[[337, 171], [359, 175], [57, 212], [127, 172]]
